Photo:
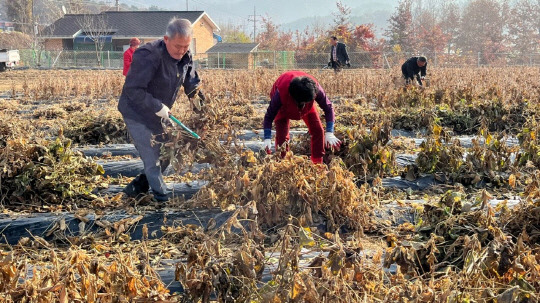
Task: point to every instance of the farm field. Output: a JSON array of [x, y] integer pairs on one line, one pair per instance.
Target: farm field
[[433, 197]]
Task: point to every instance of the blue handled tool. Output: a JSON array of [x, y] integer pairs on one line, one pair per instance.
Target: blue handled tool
[[192, 133]]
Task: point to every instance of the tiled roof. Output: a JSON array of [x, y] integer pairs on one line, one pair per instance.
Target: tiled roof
[[125, 23], [233, 48]]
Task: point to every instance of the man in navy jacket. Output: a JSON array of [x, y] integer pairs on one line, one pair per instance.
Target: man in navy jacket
[[156, 73]]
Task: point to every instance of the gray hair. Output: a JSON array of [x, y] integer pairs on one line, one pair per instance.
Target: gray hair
[[179, 27]]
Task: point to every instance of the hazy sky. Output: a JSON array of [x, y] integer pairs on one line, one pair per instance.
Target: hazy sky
[[280, 11]]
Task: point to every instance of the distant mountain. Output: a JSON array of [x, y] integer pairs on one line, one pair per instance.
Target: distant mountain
[[289, 14], [377, 18]]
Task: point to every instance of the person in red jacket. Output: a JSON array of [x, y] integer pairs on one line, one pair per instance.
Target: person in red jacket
[[292, 98], [128, 54]]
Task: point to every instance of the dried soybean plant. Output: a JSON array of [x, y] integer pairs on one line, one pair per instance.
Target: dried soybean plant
[[35, 271], [38, 172], [291, 186]]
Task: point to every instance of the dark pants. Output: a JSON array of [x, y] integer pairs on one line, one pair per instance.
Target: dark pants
[[149, 152], [408, 80], [337, 66], [315, 129]]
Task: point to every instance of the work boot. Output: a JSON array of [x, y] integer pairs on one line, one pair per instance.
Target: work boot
[[161, 197], [138, 186]]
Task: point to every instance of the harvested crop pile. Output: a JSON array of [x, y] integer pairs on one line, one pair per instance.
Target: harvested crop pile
[[368, 154], [448, 231], [464, 244], [103, 129], [524, 219], [50, 113], [489, 159], [106, 273], [291, 186], [37, 172], [13, 128]]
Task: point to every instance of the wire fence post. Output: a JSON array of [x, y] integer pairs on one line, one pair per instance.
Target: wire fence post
[[478, 59], [109, 58]]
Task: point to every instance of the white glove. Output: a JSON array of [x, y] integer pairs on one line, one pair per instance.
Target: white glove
[[331, 141], [163, 112], [268, 145]]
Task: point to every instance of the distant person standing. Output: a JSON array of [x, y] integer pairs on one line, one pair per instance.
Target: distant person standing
[[414, 67], [338, 54], [128, 54]]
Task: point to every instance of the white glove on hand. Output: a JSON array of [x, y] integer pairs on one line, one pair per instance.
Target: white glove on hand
[[331, 141], [268, 145], [163, 112]]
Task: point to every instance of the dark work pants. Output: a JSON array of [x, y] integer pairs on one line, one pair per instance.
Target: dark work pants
[[337, 66], [149, 152]]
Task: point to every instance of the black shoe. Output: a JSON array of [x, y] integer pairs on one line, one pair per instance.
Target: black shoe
[[161, 197], [138, 186]]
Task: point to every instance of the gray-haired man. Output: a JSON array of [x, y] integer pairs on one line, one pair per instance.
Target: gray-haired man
[[156, 73]]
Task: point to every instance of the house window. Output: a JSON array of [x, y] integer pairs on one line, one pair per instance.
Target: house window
[[193, 46]]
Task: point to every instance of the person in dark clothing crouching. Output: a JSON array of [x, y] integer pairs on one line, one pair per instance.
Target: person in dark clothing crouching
[[414, 67], [156, 73]]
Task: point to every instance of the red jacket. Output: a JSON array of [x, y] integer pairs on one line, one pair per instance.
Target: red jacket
[[289, 109], [128, 57]]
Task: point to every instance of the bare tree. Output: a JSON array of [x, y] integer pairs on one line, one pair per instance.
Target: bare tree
[[45, 12], [76, 7], [451, 23], [482, 28], [523, 31], [96, 28], [20, 12]]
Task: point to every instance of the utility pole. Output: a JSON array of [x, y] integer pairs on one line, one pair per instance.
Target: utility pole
[[117, 6], [187, 7], [254, 24]]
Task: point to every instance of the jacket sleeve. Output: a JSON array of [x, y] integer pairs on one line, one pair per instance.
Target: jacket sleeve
[[143, 69], [345, 52], [127, 62], [326, 105], [191, 81], [271, 113]]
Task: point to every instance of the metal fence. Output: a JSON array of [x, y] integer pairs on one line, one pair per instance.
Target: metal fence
[[282, 60]]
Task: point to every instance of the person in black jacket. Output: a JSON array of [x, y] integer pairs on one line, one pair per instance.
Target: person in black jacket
[[414, 67], [338, 55], [156, 73]]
